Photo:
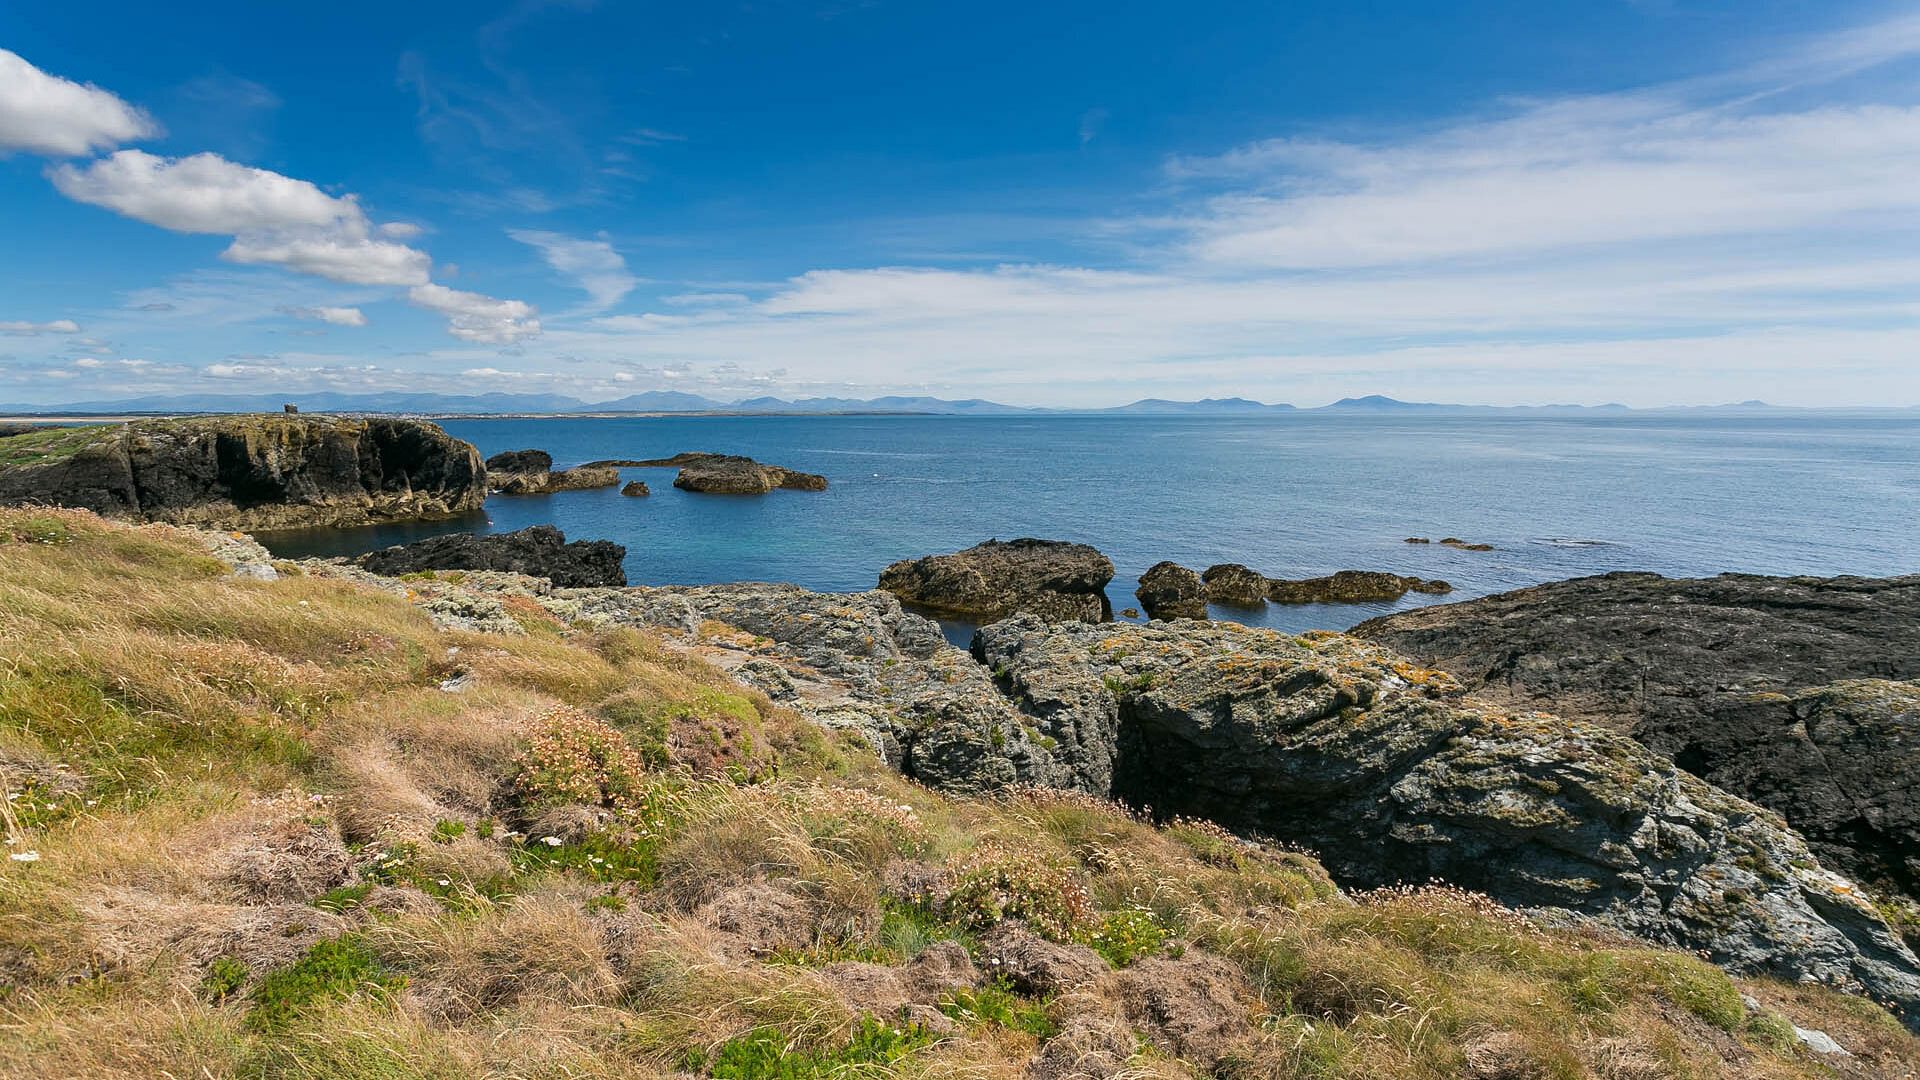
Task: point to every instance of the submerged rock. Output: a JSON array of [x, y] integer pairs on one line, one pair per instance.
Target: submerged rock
[[1171, 591], [540, 551], [267, 471], [1794, 692], [1053, 579], [1350, 587]]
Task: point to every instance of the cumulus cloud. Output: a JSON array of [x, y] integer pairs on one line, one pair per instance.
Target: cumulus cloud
[[337, 316], [593, 264], [476, 318], [275, 220], [46, 114], [57, 326]]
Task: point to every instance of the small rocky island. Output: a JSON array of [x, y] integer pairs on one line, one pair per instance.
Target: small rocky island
[[1234, 585], [1053, 579], [531, 472], [722, 474], [264, 472]]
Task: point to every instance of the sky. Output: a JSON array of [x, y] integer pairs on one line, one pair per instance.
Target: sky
[[1072, 204]]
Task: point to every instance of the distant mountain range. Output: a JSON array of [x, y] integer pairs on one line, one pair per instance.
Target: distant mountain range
[[673, 401]]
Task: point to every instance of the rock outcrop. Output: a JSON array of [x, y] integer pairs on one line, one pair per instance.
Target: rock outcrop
[[636, 488], [1171, 591], [531, 472], [1350, 587], [1240, 586], [1794, 692], [540, 551], [724, 474], [1395, 777], [1053, 579], [272, 471]]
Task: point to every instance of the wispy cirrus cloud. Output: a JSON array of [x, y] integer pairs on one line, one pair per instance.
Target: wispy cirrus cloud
[[593, 264]]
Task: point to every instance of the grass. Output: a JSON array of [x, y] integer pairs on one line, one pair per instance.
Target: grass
[[269, 846]]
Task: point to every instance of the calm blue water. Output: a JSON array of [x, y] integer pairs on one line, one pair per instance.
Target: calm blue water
[[1291, 496]]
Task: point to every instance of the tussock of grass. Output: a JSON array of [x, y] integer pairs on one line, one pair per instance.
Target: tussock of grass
[[267, 844]]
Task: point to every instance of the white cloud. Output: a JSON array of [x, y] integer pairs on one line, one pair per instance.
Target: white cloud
[[337, 316], [46, 114], [476, 318], [593, 264], [57, 326], [275, 220]]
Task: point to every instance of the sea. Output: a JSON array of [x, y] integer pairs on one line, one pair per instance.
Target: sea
[[1292, 496]]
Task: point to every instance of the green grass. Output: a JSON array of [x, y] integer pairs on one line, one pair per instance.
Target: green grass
[[330, 971], [767, 1053], [52, 444]]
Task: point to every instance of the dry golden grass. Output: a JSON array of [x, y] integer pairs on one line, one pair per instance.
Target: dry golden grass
[[251, 799]]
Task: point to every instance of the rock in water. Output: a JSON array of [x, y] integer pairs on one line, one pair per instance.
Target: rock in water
[[726, 474], [520, 461], [256, 471], [1053, 579], [636, 488], [1794, 692], [1350, 587], [1394, 777], [1235, 585], [540, 551], [1171, 591]]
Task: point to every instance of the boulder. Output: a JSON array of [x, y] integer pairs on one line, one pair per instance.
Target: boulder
[[635, 488], [531, 472], [730, 474], [1350, 587], [1171, 591], [1053, 579], [1796, 693], [540, 551], [254, 471], [1235, 585]]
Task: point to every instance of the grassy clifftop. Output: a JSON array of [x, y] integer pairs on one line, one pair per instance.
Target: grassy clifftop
[[290, 828]]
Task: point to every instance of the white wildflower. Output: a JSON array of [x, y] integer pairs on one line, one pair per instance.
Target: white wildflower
[[25, 856], [550, 841]]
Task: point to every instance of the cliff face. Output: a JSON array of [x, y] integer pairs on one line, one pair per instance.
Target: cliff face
[[248, 472]]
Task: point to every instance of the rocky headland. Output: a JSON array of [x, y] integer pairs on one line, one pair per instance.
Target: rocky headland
[[722, 474], [531, 472], [247, 471], [1796, 693], [1053, 579], [540, 551], [1390, 771]]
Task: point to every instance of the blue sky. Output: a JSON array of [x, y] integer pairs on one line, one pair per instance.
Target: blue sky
[[1658, 201]]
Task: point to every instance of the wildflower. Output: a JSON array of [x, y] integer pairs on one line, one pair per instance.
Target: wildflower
[[25, 856], [550, 841], [444, 882]]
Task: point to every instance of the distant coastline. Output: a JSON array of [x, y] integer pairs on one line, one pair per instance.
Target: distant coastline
[[672, 404]]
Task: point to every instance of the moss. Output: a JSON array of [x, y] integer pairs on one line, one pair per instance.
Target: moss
[[330, 971], [767, 1053]]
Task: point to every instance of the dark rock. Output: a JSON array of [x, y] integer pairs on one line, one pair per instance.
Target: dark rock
[[1050, 578], [1418, 540], [520, 461], [635, 487], [1456, 542], [1235, 585], [265, 471], [541, 551], [1130, 613], [727, 474], [1171, 591], [1395, 777], [1350, 587], [1773, 688]]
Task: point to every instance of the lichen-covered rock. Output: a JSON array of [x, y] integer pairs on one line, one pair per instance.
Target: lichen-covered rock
[[1394, 777], [1235, 585], [546, 483], [540, 551], [1793, 692], [1053, 579], [271, 471], [1171, 591]]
